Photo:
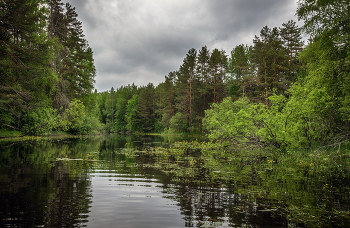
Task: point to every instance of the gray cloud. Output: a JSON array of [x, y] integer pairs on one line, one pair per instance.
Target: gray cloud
[[138, 41]]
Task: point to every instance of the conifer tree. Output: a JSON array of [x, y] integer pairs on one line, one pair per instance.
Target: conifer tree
[[292, 41], [269, 58], [185, 86], [72, 61], [239, 68], [165, 105], [78, 63], [203, 77], [217, 65], [146, 108]]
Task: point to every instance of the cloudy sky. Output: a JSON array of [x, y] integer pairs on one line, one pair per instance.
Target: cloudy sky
[[141, 41]]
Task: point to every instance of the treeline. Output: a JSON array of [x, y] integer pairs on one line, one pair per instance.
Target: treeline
[[206, 77], [46, 67]]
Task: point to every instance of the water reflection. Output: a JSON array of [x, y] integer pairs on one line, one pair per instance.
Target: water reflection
[[38, 191], [120, 181], [77, 182], [130, 200]]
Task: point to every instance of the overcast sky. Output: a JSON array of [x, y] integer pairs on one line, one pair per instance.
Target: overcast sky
[[141, 41]]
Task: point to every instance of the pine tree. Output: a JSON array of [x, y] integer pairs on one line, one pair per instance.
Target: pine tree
[[165, 105], [217, 66], [203, 77], [72, 60], [185, 86], [269, 58], [278, 61], [78, 68], [239, 67], [292, 41], [146, 108]]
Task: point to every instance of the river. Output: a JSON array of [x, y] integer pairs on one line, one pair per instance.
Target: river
[[145, 181]]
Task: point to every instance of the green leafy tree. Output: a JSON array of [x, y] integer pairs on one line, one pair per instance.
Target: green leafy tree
[[178, 123], [233, 122], [327, 62], [75, 115], [123, 94]]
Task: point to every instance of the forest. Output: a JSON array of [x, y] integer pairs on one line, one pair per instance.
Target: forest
[[279, 91]]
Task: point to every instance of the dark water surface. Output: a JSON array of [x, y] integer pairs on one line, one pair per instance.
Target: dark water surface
[[103, 182]]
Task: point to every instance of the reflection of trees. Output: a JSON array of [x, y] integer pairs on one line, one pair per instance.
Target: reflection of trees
[[199, 204], [210, 193], [36, 190], [69, 202]]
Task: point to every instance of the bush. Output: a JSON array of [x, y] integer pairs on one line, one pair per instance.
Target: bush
[[232, 121], [40, 121]]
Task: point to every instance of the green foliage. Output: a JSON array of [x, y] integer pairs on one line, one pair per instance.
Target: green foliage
[[45, 63], [49, 74], [131, 113], [178, 123], [232, 121], [91, 125], [315, 109], [286, 123], [41, 121], [233, 89], [238, 64], [9, 133], [145, 108], [75, 115]]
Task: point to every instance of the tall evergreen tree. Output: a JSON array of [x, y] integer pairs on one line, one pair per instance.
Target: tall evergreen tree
[[78, 63], [269, 58], [239, 68], [166, 97], [217, 64], [293, 43], [203, 77], [146, 108], [72, 59], [185, 86]]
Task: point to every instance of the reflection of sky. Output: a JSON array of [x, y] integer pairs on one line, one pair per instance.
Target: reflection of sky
[[125, 201]]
